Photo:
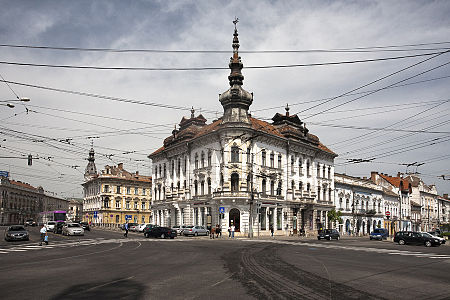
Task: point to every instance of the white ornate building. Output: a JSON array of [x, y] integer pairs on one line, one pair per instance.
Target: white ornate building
[[243, 171]]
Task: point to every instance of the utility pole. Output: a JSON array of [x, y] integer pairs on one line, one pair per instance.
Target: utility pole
[[252, 198]]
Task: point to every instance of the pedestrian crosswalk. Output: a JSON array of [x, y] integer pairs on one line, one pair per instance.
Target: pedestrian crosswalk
[[363, 249]]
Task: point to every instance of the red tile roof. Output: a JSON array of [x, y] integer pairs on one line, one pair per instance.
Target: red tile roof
[[23, 184], [397, 182]]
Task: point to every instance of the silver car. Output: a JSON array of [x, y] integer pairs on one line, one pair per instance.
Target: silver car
[[195, 230], [16, 233], [72, 229], [179, 229]]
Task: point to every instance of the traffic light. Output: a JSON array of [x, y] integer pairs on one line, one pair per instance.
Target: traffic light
[[30, 159]]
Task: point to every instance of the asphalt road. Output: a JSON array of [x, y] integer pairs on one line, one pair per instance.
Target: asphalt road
[[105, 265]]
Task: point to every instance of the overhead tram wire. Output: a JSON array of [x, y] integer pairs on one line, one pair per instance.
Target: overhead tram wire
[[355, 49], [345, 62], [375, 81]]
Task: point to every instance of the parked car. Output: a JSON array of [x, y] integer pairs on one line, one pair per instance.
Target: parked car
[[73, 229], [16, 233], [435, 235], [50, 225], [179, 229], [379, 234], [58, 227], [30, 222], [195, 230], [85, 226], [416, 238], [162, 232], [328, 234], [141, 227]]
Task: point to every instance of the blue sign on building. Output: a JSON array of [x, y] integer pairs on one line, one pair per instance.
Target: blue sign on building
[[222, 210], [95, 214], [128, 217], [4, 174]]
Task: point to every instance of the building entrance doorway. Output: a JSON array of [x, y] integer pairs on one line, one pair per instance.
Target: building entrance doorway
[[235, 219]]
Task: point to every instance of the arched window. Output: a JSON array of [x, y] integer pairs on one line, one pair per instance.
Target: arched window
[[179, 167], [318, 193], [263, 157], [263, 188], [300, 169], [164, 170], [203, 159], [279, 166], [272, 160], [221, 180], [324, 194], [279, 188], [209, 186], [292, 186], [318, 170], [202, 188], [209, 159], [234, 154], [324, 172], [234, 182], [292, 163], [308, 187], [329, 172], [248, 155], [195, 188], [347, 204], [300, 186], [178, 185], [272, 187], [308, 172], [196, 160]]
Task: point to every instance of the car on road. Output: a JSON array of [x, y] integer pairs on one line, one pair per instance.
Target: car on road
[[141, 227], [16, 233], [131, 226], [416, 238], [435, 235], [195, 230], [148, 227], [329, 234], [72, 229], [85, 226], [30, 222], [179, 229], [161, 232], [379, 234], [50, 225], [58, 227]]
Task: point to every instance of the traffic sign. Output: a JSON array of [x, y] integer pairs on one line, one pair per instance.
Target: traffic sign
[[388, 213], [111, 216], [222, 210], [95, 214]]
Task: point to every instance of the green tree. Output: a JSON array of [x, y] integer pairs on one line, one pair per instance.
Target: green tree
[[333, 217]]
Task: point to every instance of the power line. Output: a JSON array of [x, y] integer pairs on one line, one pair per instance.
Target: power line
[[218, 68], [377, 129], [117, 50]]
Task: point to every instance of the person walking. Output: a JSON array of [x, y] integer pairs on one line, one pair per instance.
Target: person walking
[[229, 231], [232, 231], [126, 230], [43, 232], [271, 229], [212, 232], [218, 231]]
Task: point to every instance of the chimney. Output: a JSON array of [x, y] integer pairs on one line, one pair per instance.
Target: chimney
[[137, 173], [120, 166], [399, 174], [373, 176]]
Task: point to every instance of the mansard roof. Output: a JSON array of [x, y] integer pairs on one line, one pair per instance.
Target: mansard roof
[[196, 127]]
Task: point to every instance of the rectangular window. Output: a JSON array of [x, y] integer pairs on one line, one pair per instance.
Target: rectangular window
[[128, 190], [136, 205], [279, 219], [106, 188], [128, 205], [262, 218], [143, 191], [143, 205], [117, 204], [136, 191], [279, 162], [118, 189]]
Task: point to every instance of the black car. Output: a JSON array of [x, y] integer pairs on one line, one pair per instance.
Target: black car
[[16, 233], [58, 227], [30, 222], [416, 238], [162, 232], [379, 234], [328, 234], [85, 226]]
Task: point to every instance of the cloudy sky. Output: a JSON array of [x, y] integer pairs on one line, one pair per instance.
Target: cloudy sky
[[397, 110]]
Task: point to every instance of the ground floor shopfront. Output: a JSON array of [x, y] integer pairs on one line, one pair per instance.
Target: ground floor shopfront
[[248, 219], [360, 225], [116, 217]]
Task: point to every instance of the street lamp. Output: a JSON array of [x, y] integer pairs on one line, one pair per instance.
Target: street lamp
[[22, 99]]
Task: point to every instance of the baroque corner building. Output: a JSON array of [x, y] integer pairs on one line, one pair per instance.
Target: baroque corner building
[[115, 195], [242, 171]]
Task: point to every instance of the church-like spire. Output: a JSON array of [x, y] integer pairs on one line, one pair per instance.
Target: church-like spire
[[235, 65], [91, 169], [236, 101]]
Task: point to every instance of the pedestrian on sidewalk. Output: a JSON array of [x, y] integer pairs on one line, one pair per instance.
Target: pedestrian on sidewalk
[[232, 231], [271, 229], [229, 231], [212, 232], [43, 233], [218, 231], [126, 230]]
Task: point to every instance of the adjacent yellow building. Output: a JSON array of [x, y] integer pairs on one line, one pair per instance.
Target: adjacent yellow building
[[115, 196]]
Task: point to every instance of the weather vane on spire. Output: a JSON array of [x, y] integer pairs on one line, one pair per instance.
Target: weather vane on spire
[[236, 20]]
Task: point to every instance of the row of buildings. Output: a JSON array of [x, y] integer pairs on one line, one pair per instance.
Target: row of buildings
[[256, 175]]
